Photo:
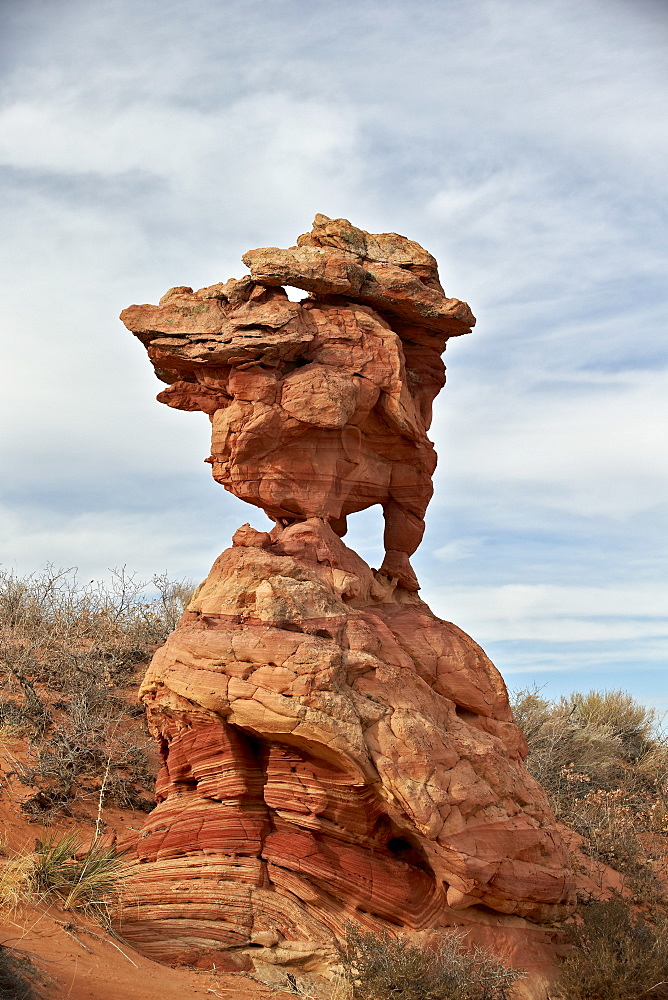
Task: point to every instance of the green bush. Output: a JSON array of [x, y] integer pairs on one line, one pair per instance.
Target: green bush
[[381, 966]]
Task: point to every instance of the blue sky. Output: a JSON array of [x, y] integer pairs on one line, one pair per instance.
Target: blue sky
[[150, 143]]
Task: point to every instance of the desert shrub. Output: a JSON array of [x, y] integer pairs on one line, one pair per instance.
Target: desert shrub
[[60, 870], [380, 966], [599, 735], [603, 761], [633, 724], [89, 880], [618, 955], [17, 976], [69, 654], [56, 631], [89, 751]]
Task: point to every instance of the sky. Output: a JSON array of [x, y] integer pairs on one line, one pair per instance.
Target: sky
[[150, 143]]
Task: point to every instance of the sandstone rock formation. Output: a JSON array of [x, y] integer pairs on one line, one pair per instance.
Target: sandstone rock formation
[[331, 750], [319, 408]]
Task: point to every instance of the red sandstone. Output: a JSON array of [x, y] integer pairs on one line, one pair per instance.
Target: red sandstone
[[332, 751]]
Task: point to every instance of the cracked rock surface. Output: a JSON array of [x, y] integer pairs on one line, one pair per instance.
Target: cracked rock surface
[[332, 751]]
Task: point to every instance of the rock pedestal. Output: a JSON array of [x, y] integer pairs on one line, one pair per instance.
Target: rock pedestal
[[332, 752]]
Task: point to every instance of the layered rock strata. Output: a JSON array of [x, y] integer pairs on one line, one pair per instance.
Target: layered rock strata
[[332, 751]]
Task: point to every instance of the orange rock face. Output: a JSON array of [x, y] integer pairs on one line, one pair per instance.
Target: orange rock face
[[319, 408], [331, 750]]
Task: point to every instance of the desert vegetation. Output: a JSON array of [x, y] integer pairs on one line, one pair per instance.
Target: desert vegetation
[[379, 966], [603, 758], [619, 952], [75, 743], [70, 658], [66, 870]]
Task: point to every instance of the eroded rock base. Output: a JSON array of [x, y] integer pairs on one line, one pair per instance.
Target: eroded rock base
[[333, 752]]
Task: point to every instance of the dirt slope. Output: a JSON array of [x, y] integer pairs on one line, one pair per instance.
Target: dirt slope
[[79, 961]]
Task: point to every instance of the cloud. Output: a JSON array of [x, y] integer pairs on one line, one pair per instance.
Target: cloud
[[556, 614], [148, 145], [255, 137], [457, 550], [585, 445], [104, 538]]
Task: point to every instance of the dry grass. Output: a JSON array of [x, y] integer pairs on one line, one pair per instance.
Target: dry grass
[[338, 987], [618, 955], [69, 656], [59, 870], [387, 967], [603, 759], [16, 880]]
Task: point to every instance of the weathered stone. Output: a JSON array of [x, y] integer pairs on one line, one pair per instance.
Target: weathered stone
[[331, 750], [388, 272], [319, 408]]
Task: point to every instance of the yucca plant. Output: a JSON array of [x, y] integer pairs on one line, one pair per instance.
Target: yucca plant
[[89, 880], [59, 869], [53, 863]]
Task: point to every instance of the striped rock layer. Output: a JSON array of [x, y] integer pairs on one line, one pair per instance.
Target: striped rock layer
[[332, 752]]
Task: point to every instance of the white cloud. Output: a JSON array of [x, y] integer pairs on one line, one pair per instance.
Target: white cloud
[[593, 445], [97, 541], [261, 134], [522, 143], [456, 550], [551, 613]]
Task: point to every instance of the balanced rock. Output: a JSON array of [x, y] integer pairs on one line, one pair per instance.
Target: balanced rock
[[318, 408], [332, 751]]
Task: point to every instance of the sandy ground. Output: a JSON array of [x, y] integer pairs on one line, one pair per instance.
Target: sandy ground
[[79, 961], [77, 958]]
